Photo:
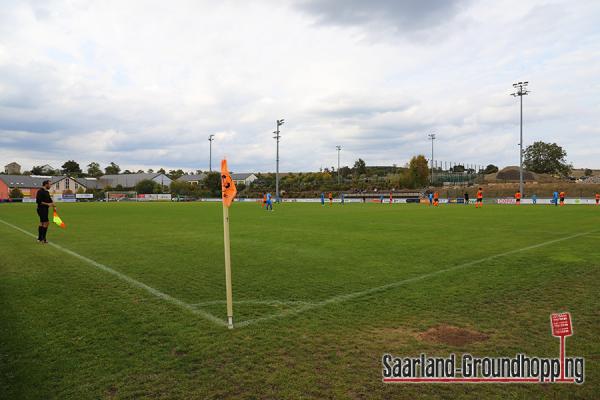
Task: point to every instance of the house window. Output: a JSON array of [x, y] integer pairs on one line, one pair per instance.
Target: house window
[[57, 186], [67, 184], [76, 186]]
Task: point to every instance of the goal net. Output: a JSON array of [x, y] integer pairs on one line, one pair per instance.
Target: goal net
[[121, 196]]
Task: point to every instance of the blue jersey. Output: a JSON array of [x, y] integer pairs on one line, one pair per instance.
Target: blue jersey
[[322, 197], [268, 197]]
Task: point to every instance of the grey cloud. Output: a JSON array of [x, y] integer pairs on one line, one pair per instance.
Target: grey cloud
[[399, 15], [379, 104], [364, 110]]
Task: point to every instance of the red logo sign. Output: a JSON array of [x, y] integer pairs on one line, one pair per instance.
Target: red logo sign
[[561, 324]]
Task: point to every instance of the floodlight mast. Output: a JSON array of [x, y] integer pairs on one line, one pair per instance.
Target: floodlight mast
[[277, 136], [338, 148], [210, 140], [431, 137], [521, 90]]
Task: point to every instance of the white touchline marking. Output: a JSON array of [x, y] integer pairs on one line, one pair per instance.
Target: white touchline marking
[[350, 296], [265, 302], [129, 280]]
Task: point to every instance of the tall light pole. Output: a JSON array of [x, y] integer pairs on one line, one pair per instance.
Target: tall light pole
[[431, 137], [276, 137], [521, 90], [210, 140], [338, 148]]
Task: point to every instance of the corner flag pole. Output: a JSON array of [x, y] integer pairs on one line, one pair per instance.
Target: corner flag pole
[[228, 266], [228, 192]]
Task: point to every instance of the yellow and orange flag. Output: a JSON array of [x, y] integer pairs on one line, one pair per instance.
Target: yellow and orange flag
[[56, 219], [228, 189]]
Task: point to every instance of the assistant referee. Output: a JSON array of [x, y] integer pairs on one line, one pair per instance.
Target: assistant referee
[[44, 202]]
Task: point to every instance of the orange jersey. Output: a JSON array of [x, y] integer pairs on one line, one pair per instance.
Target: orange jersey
[[436, 195], [330, 196], [562, 194], [479, 194], [597, 196], [518, 196]]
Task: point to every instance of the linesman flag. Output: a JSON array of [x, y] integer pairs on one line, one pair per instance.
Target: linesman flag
[[56, 219], [228, 188], [228, 192]]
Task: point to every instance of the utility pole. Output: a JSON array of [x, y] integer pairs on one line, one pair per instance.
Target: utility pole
[[338, 148], [431, 137], [277, 137], [210, 140], [521, 90]]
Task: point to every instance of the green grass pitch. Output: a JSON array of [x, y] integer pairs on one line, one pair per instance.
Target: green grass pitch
[[320, 293]]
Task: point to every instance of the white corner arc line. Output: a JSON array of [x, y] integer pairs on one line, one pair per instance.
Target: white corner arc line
[[131, 281], [350, 296]]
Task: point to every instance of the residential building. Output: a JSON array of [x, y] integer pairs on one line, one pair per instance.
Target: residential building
[[129, 181], [48, 169], [65, 184], [59, 185], [246, 178], [12, 169], [28, 185], [194, 179]]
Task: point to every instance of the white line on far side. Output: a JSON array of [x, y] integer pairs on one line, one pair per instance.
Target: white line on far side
[[351, 296]]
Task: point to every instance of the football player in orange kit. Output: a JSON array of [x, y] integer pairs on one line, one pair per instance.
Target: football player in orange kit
[[479, 201], [518, 198]]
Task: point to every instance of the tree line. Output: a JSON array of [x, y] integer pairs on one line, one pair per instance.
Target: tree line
[[540, 157]]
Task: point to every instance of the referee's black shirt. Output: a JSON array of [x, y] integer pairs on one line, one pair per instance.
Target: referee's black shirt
[[43, 196]]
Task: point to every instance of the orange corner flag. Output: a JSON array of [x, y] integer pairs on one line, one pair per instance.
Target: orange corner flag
[[56, 219], [228, 188]]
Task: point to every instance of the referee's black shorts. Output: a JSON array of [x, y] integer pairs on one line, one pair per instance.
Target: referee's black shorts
[[43, 213]]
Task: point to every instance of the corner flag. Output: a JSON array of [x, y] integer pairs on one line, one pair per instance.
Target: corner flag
[[228, 188], [56, 219], [228, 192]]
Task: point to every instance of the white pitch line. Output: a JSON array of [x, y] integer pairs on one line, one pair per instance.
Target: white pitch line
[[129, 280], [351, 296], [265, 302]]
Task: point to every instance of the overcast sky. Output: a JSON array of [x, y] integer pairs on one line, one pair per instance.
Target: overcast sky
[[143, 83]]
